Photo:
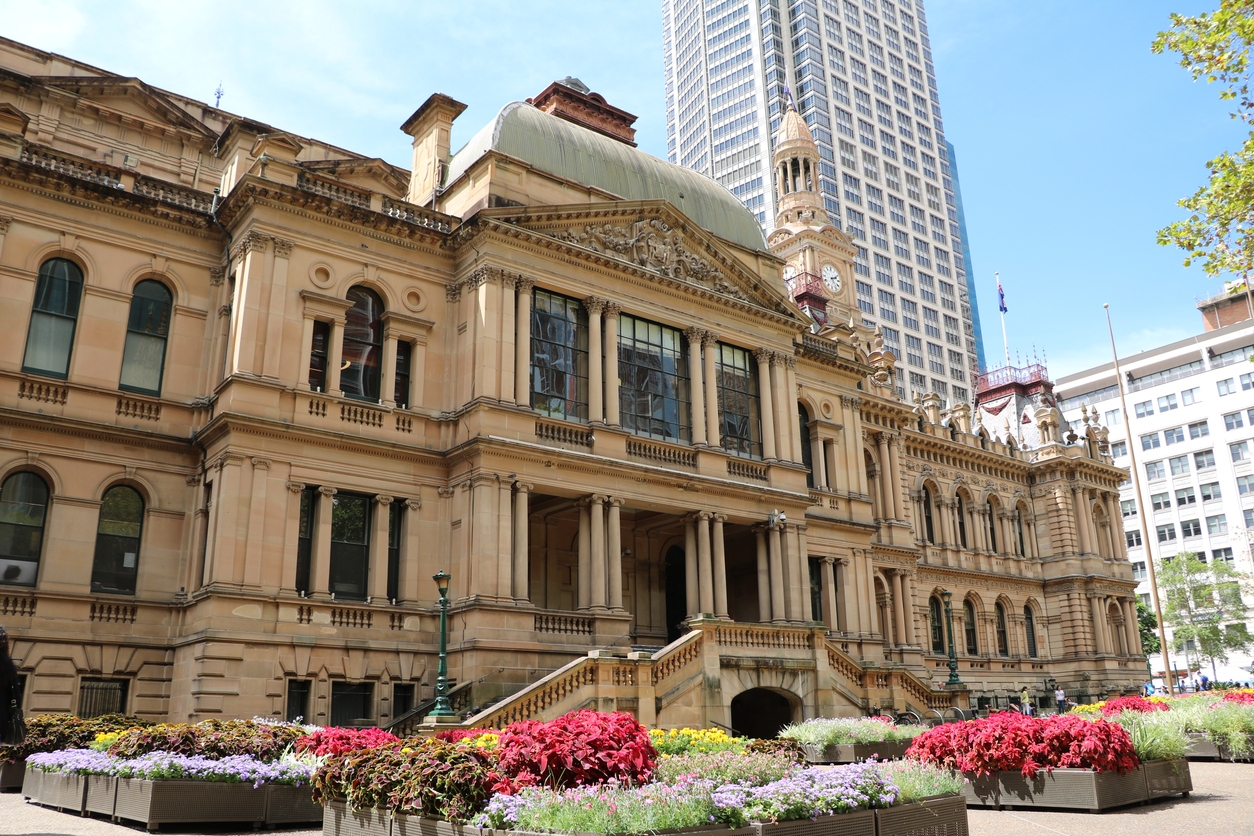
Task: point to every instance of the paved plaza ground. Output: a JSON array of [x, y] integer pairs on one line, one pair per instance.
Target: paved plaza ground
[[1222, 804]]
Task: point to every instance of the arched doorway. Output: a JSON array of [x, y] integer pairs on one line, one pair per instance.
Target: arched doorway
[[760, 713], [676, 593]]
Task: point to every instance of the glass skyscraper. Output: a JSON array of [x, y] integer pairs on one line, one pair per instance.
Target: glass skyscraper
[[860, 73]]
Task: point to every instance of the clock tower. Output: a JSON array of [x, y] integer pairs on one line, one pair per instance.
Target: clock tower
[[819, 257]]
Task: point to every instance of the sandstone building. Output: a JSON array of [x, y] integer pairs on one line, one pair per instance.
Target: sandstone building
[[255, 390]]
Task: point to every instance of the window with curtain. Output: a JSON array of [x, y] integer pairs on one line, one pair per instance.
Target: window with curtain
[[116, 564], [970, 629], [653, 374], [23, 511], [929, 528], [400, 388], [1029, 627], [53, 318], [737, 376], [992, 526], [559, 356], [1003, 646], [362, 356], [318, 352], [147, 330], [938, 626], [350, 545], [962, 522], [807, 455]]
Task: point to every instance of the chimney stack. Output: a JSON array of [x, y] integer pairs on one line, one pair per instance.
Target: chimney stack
[[430, 126]]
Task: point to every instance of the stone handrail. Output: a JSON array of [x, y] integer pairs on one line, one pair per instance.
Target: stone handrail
[[773, 638], [562, 434], [677, 655], [531, 701], [842, 664], [664, 453], [564, 624]]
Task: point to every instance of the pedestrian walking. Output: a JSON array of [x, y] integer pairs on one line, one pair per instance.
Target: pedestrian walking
[[1060, 699], [1025, 704]]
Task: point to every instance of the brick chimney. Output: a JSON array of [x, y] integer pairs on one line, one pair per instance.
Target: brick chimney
[[570, 99]]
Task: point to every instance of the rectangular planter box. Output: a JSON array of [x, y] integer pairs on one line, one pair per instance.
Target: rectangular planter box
[[63, 791], [403, 825], [1167, 777], [31, 783], [861, 823], [102, 792], [885, 750], [286, 804], [934, 817], [1201, 747], [719, 830], [181, 802], [1070, 789], [11, 775], [338, 820]]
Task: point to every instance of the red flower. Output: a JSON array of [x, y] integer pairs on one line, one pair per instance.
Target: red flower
[[338, 741], [1140, 704], [582, 747]]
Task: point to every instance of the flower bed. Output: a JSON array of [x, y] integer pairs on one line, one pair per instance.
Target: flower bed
[[53, 732], [669, 743], [849, 739]]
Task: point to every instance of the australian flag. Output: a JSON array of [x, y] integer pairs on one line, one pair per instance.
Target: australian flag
[[1001, 297]]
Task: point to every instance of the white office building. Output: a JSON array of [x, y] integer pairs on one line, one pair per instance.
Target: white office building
[[1191, 436], [860, 72]]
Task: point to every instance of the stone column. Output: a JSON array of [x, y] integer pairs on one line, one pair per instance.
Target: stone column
[[335, 357], [522, 348], [803, 558], [1099, 618], [818, 462], [783, 414], [320, 548], [508, 344], [709, 345], [614, 551], [407, 584], [585, 554], [522, 546], [907, 589], [387, 376], [776, 559], [306, 351], [943, 514], [696, 387], [253, 557], [692, 584], [597, 535], [720, 565], [835, 479], [1077, 506], [612, 416], [790, 403], [596, 362], [764, 575], [843, 620], [1133, 626], [852, 430], [899, 609], [765, 403], [831, 613], [377, 571], [705, 562], [894, 475]]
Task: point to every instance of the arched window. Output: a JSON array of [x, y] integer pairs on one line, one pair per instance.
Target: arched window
[[362, 360], [1003, 646], [929, 528], [117, 541], [53, 317], [807, 459], [23, 509], [992, 527], [938, 627], [1029, 627], [962, 522], [970, 629], [143, 359]]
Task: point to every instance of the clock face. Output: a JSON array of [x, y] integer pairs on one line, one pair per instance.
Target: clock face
[[831, 278]]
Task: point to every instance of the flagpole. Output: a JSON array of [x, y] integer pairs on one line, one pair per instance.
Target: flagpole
[[1002, 306], [1140, 506]]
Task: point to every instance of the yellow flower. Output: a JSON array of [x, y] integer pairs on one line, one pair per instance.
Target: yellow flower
[[406, 750]]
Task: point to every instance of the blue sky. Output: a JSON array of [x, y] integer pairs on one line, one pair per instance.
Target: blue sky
[[1074, 141]]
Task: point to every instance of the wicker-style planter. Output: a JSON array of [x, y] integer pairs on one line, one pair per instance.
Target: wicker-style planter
[[102, 793], [861, 823], [63, 791], [713, 830], [1069, 789], [1201, 747], [185, 802], [286, 804], [338, 820], [31, 783], [1167, 777], [885, 750], [945, 816], [11, 776]]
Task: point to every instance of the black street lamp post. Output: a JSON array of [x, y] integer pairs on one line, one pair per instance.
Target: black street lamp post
[[953, 680], [443, 711]]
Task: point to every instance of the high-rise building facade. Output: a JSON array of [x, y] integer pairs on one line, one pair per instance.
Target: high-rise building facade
[[860, 73]]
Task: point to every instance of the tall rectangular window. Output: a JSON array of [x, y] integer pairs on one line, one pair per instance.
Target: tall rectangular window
[[318, 356], [559, 356], [404, 353], [97, 697], [395, 515], [304, 539], [653, 389], [350, 702], [297, 700], [736, 374], [350, 545]]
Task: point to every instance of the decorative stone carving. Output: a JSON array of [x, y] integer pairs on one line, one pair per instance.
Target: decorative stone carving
[[217, 275], [295, 487], [283, 247]]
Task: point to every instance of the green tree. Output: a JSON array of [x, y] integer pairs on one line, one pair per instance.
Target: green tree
[[1216, 46], [1202, 603], [1149, 629]]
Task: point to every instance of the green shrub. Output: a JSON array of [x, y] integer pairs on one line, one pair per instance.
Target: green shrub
[[750, 768], [917, 780], [823, 732]]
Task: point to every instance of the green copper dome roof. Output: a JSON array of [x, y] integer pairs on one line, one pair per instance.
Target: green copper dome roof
[[575, 153]]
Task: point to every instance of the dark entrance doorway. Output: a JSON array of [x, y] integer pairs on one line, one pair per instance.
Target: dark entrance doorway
[[760, 713], [676, 593]]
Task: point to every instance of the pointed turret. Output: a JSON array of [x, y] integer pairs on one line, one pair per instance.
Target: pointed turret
[[797, 173]]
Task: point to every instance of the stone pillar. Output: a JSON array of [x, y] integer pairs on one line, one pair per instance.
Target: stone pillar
[[696, 387], [377, 571], [894, 475], [596, 362], [899, 609], [1077, 507], [306, 351], [709, 345], [253, 556], [522, 348], [886, 480], [597, 535], [850, 407], [1099, 619], [522, 546], [776, 560], [387, 376], [335, 357], [790, 404], [764, 575], [831, 613], [818, 462], [841, 571], [320, 548], [765, 403], [720, 565], [835, 479], [614, 551], [942, 514], [612, 416], [407, 583], [705, 562], [803, 558], [691, 582], [907, 590], [1133, 626], [585, 554], [783, 413]]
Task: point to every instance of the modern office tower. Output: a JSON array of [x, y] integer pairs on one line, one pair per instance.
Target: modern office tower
[[1190, 434], [860, 73], [966, 255]]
